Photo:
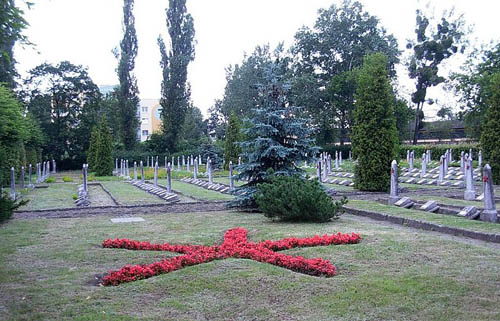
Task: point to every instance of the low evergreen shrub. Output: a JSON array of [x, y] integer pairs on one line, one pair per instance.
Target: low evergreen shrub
[[67, 179], [291, 198], [7, 206], [50, 180]]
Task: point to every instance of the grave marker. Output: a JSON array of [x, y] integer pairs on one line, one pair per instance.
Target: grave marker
[[469, 194], [394, 194], [231, 178], [22, 177], [135, 171], [155, 180], [12, 184], [142, 172], [424, 165], [441, 170], [489, 214], [169, 179]]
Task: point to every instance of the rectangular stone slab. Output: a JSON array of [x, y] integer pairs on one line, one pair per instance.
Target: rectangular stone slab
[[127, 219]]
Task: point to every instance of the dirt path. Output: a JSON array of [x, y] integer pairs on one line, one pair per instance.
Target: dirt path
[[207, 206]]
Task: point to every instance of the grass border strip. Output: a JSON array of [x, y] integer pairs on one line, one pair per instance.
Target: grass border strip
[[494, 238]]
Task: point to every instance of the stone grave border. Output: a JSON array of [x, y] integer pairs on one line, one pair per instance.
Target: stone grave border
[[487, 237]]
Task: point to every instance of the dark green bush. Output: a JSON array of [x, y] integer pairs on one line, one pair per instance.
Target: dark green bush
[[490, 135], [438, 150], [291, 198]]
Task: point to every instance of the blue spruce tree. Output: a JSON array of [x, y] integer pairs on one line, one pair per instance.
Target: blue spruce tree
[[278, 138]]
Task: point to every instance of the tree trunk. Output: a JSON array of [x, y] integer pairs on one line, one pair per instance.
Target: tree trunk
[[417, 123]]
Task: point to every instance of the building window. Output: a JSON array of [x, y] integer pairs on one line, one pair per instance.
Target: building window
[[144, 121], [144, 109], [145, 132]]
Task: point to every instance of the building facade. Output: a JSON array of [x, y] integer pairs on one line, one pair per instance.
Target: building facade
[[149, 117]]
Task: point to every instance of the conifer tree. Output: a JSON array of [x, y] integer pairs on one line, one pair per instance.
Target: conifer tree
[[277, 141], [128, 99], [231, 148], [374, 135], [490, 135], [104, 151]]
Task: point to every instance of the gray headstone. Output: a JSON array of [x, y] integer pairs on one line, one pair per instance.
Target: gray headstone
[[489, 214], [195, 171], [394, 197], [462, 162], [12, 184], [350, 155], [404, 202], [480, 158], [199, 160], [22, 177], [187, 165], [470, 193], [424, 165], [408, 156], [470, 212], [142, 172], [231, 178], [169, 179], [340, 158], [428, 156], [239, 161], [155, 179], [30, 184], [135, 171], [85, 187], [412, 157], [183, 161], [209, 170], [54, 166], [116, 165], [430, 206], [178, 163]]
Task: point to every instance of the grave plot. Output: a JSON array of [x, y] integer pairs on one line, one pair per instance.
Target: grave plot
[[156, 190], [53, 195], [218, 187], [196, 192], [127, 194]]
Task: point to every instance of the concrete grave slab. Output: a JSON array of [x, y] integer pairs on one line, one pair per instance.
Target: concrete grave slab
[[127, 219]]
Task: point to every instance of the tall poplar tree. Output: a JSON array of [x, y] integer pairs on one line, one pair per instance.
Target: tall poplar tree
[[175, 93], [128, 99]]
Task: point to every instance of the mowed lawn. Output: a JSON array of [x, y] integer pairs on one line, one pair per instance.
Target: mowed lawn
[[48, 270]]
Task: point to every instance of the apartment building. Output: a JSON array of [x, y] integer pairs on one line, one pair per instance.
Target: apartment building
[[149, 117]]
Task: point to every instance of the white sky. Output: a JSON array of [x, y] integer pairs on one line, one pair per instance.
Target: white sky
[[85, 31]]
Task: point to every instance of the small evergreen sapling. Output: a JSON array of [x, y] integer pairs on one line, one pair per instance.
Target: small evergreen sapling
[[231, 148], [278, 139]]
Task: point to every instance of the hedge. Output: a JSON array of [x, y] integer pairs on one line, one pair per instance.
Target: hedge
[[438, 150]]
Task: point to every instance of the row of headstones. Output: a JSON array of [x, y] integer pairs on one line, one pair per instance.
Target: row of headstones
[[42, 173], [214, 186], [488, 214], [83, 190], [324, 164], [166, 195], [447, 158]]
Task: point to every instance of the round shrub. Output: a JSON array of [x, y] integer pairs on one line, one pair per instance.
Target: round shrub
[[291, 198], [67, 179]]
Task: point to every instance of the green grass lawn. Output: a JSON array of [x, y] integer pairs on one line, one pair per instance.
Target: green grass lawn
[[342, 188], [225, 180], [453, 201], [48, 267], [127, 194], [197, 192], [442, 219], [413, 187], [57, 195]]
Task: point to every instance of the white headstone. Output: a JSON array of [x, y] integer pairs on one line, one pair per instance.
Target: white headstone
[[209, 170], [155, 180], [462, 163], [178, 163], [408, 156], [412, 156], [394, 193], [30, 184], [441, 170], [480, 158], [424, 165], [489, 214], [195, 171], [135, 171]]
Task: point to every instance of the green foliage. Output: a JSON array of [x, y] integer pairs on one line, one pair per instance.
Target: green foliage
[[327, 56], [7, 206], [293, 198], [127, 92], [472, 86], [374, 136], [174, 62], [438, 150], [13, 24], [490, 135], [50, 180], [65, 102], [231, 148], [101, 151], [404, 114], [67, 179], [92, 152], [430, 48], [14, 132], [74, 197], [279, 138]]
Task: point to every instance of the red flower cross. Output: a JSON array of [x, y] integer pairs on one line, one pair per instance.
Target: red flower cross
[[235, 245]]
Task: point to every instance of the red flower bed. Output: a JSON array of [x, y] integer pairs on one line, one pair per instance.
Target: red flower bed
[[235, 245]]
